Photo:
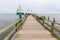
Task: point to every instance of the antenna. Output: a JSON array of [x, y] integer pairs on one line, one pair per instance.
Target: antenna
[[19, 6]]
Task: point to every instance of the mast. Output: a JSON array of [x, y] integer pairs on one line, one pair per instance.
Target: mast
[[19, 6]]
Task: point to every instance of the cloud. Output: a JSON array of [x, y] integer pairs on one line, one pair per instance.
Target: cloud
[[8, 5], [43, 5], [35, 5]]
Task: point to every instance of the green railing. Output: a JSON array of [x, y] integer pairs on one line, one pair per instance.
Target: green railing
[[8, 32], [52, 26]]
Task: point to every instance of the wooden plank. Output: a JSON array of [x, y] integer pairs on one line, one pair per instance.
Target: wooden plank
[[35, 39]]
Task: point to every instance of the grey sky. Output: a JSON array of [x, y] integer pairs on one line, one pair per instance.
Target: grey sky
[[35, 5], [8, 5]]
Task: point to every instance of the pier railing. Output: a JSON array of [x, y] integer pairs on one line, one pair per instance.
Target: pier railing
[[52, 26], [8, 32]]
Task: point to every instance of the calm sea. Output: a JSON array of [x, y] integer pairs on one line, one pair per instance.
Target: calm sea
[[6, 19], [51, 15]]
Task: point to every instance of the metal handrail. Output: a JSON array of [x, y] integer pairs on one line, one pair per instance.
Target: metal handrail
[[7, 37], [9, 26], [52, 25], [52, 21]]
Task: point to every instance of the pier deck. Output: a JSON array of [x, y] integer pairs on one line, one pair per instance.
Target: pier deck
[[33, 30]]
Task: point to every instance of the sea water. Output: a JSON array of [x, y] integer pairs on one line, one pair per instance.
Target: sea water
[[7, 18], [51, 16]]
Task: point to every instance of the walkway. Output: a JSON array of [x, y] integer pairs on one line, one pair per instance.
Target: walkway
[[32, 30]]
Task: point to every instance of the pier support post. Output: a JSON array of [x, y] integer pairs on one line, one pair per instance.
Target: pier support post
[[52, 26], [16, 26], [44, 19], [48, 18]]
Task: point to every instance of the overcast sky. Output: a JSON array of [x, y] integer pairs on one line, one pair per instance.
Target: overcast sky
[[30, 5]]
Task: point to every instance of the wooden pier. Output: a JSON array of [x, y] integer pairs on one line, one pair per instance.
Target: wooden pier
[[31, 27], [33, 30]]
